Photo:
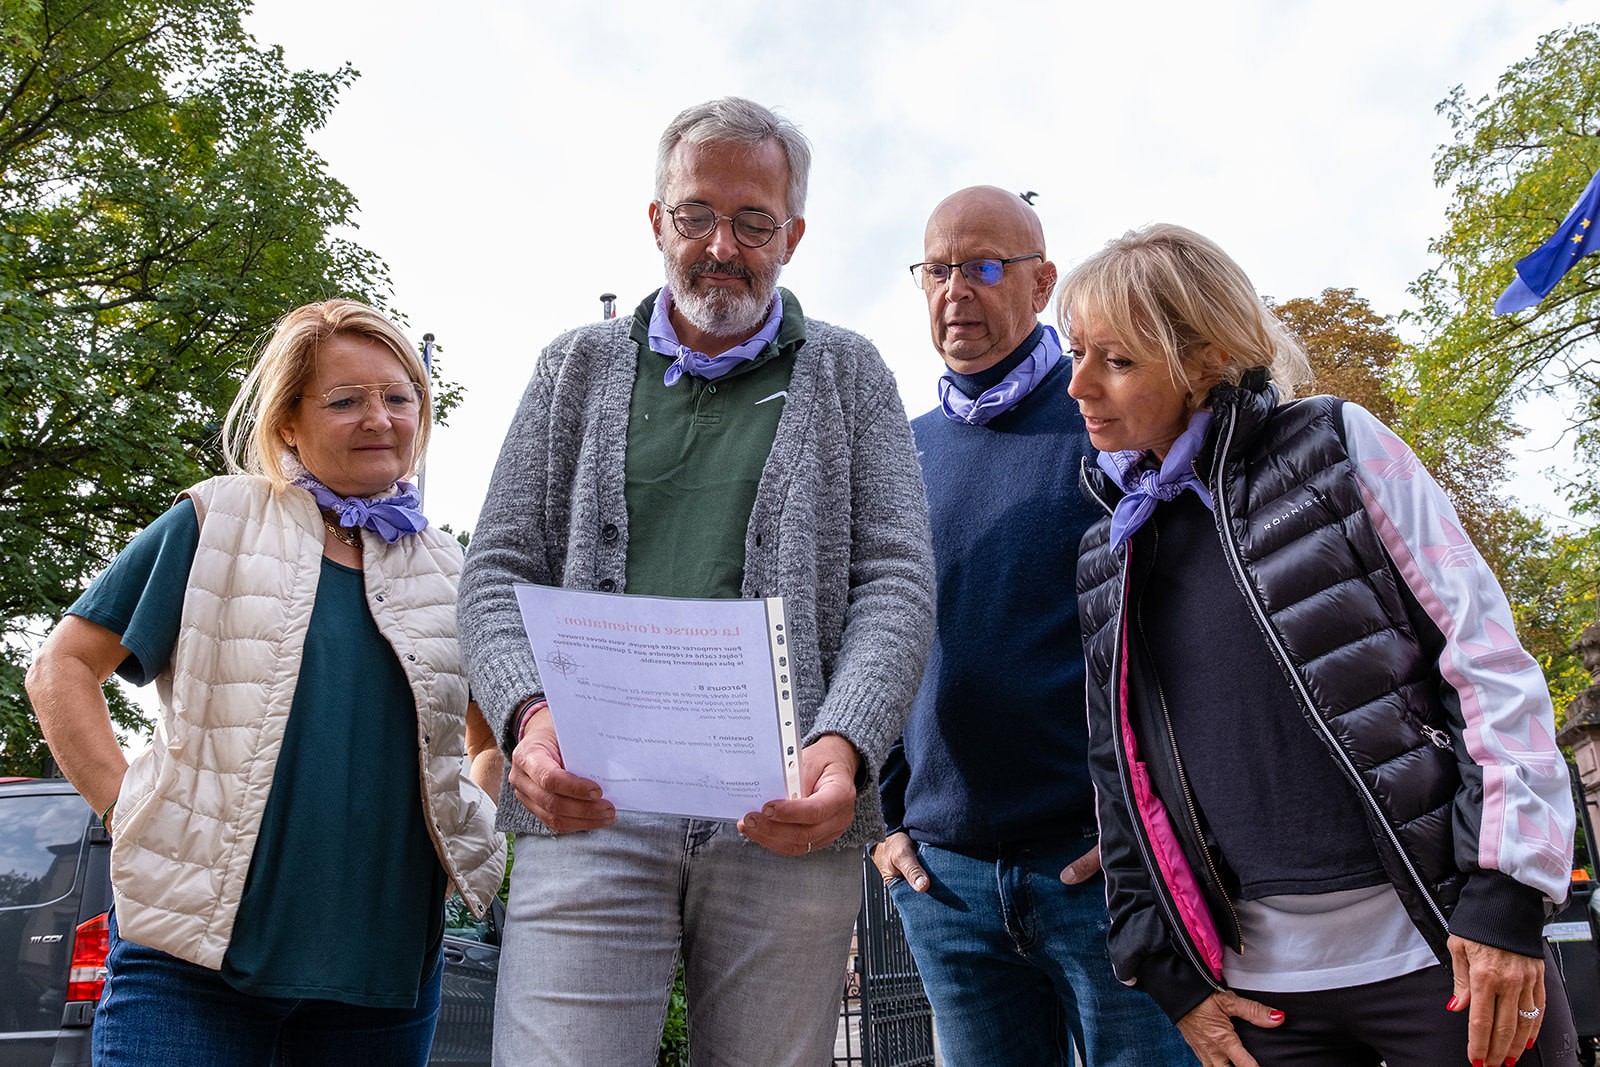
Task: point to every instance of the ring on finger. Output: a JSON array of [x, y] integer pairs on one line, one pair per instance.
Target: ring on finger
[[1529, 1013]]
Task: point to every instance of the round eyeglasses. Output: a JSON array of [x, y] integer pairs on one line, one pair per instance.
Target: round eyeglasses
[[402, 400], [985, 272], [694, 222]]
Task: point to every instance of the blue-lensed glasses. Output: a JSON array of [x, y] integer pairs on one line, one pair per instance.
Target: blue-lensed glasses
[[985, 272]]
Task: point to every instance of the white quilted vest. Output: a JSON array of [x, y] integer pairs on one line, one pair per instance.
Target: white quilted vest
[[191, 805]]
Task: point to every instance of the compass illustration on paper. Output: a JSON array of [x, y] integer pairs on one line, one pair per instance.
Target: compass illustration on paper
[[563, 664]]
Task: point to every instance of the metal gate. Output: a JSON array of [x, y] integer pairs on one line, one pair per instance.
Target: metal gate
[[885, 1020]]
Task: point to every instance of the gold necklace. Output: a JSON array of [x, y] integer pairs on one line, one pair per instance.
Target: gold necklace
[[344, 535]]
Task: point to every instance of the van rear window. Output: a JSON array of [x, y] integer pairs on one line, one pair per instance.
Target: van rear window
[[40, 838]]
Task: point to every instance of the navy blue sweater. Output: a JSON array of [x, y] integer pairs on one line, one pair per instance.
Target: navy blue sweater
[[994, 753]]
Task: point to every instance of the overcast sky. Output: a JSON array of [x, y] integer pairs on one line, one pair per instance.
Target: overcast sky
[[503, 152]]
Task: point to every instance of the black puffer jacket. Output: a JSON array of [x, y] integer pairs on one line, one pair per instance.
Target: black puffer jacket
[[1360, 655]]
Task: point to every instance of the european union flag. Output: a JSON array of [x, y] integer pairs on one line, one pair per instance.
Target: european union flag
[[1538, 272]]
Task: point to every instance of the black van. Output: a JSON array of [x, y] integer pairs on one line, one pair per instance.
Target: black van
[[55, 891]]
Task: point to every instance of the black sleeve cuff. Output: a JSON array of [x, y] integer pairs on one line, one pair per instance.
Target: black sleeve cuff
[[892, 779], [1175, 986], [1496, 909]]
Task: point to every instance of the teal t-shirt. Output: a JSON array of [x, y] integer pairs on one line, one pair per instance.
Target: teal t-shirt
[[344, 897]]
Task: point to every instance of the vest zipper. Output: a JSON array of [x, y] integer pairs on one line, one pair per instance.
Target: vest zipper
[[1236, 563]]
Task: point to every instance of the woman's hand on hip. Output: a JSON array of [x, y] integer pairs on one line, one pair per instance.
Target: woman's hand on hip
[[1210, 1032], [1499, 990]]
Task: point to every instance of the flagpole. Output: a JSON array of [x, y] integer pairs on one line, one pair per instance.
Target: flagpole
[[427, 373]]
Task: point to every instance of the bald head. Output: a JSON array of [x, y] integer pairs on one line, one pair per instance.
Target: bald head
[[975, 326], [989, 209]]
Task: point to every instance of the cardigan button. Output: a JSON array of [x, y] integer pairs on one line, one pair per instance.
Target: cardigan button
[[609, 532], [607, 585]]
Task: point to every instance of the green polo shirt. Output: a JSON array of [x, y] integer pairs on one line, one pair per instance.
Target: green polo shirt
[[695, 454]]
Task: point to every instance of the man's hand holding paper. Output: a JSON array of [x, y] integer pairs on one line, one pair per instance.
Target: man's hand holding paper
[[562, 800], [666, 704], [825, 808]]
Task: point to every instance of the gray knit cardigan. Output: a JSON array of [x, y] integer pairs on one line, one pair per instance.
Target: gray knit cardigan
[[839, 529]]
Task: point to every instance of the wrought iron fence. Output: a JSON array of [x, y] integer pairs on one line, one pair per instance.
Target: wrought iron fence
[[885, 1020]]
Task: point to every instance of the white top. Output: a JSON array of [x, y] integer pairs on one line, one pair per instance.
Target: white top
[[1296, 944]]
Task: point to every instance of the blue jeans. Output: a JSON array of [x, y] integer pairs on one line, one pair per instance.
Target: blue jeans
[[596, 921], [158, 1010], [1014, 963]]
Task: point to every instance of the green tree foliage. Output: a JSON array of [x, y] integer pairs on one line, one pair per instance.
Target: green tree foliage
[[1517, 161], [159, 209], [1551, 583], [674, 1048]]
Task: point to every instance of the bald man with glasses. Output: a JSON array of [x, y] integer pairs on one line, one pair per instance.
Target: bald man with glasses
[[992, 858]]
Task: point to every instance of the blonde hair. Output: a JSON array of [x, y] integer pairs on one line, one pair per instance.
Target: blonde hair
[[1167, 291], [252, 433]]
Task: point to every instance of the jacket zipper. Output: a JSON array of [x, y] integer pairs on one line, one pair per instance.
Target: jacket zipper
[[1231, 551], [1157, 883], [1192, 810]]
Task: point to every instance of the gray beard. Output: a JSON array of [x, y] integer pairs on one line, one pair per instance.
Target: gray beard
[[721, 313]]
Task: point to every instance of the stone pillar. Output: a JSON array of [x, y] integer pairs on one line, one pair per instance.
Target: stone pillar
[[1582, 730]]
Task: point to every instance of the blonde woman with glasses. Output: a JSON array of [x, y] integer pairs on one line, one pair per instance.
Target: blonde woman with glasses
[[282, 851]]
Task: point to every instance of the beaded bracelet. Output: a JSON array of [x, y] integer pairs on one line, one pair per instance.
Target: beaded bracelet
[[528, 712]]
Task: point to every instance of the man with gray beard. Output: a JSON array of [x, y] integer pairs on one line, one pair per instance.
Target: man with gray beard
[[719, 444]]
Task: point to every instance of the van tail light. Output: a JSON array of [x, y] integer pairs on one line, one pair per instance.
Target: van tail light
[[89, 948]]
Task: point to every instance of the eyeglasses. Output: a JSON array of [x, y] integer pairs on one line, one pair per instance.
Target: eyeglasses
[[985, 272], [401, 399], [750, 228]]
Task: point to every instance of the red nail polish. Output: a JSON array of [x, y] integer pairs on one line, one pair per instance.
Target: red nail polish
[[1477, 1063], [1275, 1015], [1530, 1044], [1451, 1006]]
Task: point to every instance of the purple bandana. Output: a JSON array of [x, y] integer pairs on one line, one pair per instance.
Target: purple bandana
[[1145, 487], [664, 340], [390, 517], [1008, 392]]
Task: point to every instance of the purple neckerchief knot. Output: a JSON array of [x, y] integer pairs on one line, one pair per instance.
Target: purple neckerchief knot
[[390, 517], [1143, 487], [664, 340], [1008, 392]]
